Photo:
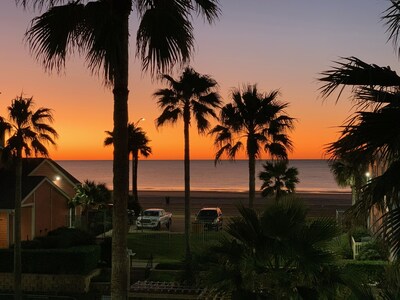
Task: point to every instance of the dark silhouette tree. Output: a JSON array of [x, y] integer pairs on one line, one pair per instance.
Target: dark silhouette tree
[[29, 132], [100, 31], [138, 143], [278, 179], [191, 97], [256, 122]]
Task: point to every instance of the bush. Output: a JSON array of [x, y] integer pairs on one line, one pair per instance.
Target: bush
[[342, 247], [371, 271], [74, 260], [373, 250], [60, 238]]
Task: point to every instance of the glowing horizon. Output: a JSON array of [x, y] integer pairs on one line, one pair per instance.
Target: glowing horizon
[[276, 44]]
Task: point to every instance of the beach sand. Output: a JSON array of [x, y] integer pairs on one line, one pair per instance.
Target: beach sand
[[318, 204]]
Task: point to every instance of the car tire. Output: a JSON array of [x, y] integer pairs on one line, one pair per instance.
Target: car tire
[[158, 227]]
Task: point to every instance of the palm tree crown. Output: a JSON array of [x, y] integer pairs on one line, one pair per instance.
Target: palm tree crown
[[278, 179], [138, 143], [256, 122], [193, 94], [29, 129]]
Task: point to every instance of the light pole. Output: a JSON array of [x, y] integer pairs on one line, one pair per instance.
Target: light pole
[[138, 121]]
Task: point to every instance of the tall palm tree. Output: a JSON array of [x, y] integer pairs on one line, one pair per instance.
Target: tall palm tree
[[138, 143], [256, 122], [100, 30], [30, 131], [278, 179], [192, 96]]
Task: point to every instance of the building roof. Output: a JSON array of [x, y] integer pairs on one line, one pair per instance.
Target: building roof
[[29, 182]]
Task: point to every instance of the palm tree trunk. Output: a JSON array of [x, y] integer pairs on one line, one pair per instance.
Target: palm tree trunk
[[119, 273], [187, 184], [135, 162], [252, 179], [17, 229]]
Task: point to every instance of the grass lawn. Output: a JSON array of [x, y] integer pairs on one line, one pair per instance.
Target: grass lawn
[[169, 247]]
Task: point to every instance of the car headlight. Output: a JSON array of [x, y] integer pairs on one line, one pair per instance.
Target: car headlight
[[215, 221]]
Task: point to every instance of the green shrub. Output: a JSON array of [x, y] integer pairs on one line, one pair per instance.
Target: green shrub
[[73, 260], [60, 238], [342, 247], [373, 250], [358, 233], [371, 271]]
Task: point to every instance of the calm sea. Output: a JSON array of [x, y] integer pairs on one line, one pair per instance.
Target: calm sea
[[167, 175]]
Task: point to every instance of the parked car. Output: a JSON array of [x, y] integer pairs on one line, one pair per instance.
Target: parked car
[[210, 217], [154, 218]]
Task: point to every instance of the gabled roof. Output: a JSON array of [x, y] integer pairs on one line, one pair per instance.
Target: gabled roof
[[34, 163], [29, 182]]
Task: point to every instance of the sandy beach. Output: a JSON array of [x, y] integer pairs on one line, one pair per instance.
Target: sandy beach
[[319, 204]]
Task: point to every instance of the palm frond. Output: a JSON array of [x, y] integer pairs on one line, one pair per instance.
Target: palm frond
[[355, 72], [164, 37]]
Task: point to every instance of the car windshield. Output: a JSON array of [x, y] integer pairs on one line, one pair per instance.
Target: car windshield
[[150, 213], [207, 213]]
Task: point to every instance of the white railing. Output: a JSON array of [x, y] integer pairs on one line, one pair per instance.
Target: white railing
[[356, 246]]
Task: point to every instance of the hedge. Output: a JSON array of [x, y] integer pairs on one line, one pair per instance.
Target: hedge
[[74, 260], [371, 270]]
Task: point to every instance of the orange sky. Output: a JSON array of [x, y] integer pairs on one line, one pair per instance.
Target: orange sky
[[277, 44]]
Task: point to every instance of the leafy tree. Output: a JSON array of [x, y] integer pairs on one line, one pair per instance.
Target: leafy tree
[[90, 195], [192, 96], [278, 179], [256, 122], [138, 142], [278, 255], [29, 132], [100, 31]]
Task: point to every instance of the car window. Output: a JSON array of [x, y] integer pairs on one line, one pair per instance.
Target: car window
[[208, 213], [150, 213]]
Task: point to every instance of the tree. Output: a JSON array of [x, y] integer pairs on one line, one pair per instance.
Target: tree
[[90, 195], [277, 255], [29, 131], [192, 96], [349, 172], [100, 30], [256, 122], [138, 142], [278, 179]]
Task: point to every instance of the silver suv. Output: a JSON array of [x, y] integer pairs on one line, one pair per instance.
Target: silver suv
[[210, 217]]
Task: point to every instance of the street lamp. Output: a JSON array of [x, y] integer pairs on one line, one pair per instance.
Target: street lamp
[[368, 175], [137, 122]]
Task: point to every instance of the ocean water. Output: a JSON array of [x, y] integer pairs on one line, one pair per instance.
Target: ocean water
[[167, 175]]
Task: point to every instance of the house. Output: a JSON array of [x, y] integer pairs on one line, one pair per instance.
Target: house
[[46, 190]]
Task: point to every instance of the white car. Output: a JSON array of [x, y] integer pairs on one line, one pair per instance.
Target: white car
[[154, 218]]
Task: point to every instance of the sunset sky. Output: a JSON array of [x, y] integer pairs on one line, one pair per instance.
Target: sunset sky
[[278, 44]]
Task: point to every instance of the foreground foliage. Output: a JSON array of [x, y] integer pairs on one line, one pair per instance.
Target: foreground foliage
[[279, 255]]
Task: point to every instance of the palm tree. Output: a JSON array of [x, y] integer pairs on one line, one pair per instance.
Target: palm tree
[[29, 132], [90, 195], [349, 172], [256, 122], [137, 143], [278, 255], [278, 179], [100, 30], [192, 96]]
